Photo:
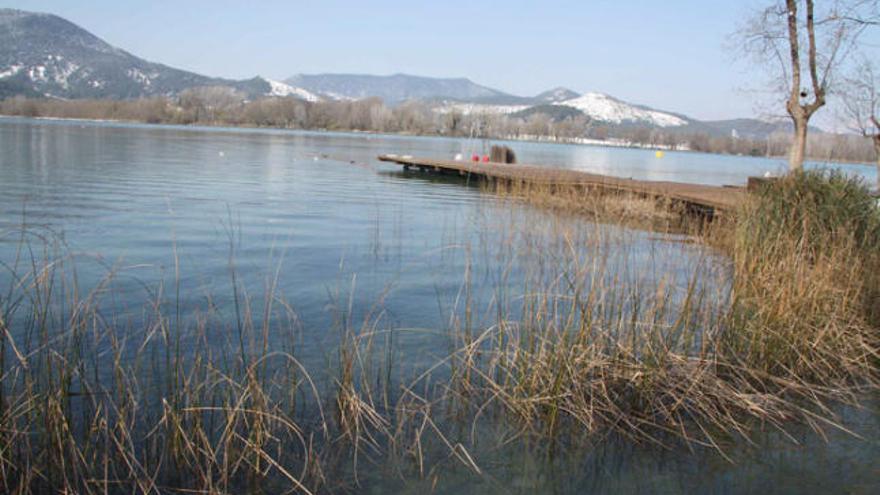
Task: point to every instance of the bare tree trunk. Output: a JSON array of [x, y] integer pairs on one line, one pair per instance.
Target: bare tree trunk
[[876, 139], [799, 111], [799, 146]]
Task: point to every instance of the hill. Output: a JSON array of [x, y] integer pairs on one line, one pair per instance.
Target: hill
[[45, 55]]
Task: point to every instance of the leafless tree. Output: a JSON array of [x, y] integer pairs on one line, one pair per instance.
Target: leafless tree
[[803, 49], [861, 102], [210, 103]]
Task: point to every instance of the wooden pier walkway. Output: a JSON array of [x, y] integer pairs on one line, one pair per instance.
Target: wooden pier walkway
[[709, 199]]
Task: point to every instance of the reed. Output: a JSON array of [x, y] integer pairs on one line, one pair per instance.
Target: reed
[[795, 332], [596, 350], [93, 404], [772, 322], [620, 208], [807, 282]]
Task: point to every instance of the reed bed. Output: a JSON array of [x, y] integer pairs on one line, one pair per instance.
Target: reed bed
[[621, 208], [97, 397], [93, 404], [689, 344], [797, 331], [807, 283]]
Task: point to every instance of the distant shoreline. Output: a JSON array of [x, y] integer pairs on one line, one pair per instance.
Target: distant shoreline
[[525, 139]]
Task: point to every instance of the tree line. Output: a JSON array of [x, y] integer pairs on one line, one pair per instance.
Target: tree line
[[225, 106]]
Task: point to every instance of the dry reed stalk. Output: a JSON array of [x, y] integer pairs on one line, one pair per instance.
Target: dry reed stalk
[[596, 341]]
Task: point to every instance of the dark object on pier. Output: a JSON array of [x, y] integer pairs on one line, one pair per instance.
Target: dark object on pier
[[756, 183], [502, 154]]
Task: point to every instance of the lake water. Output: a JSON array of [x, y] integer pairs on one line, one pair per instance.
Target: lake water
[[342, 230]]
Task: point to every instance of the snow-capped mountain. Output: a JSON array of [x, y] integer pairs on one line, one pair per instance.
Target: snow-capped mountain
[[561, 103], [45, 55], [466, 97], [605, 108], [283, 89]]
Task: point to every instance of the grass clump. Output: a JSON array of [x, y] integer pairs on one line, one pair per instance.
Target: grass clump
[[806, 278], [813, 207]]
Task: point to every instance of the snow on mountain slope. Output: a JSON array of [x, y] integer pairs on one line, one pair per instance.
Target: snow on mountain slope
[[46, 55], [282, 89], [602, 107], [479, 109]]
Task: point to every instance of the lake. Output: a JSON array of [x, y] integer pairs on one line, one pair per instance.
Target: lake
[[341, 236]]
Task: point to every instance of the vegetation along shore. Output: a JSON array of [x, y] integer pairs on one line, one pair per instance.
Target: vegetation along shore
[[776, 331]]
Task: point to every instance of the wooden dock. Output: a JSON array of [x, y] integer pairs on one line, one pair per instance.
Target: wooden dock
[[711, 200]]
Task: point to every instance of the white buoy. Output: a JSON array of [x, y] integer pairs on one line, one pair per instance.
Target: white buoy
[[458, 157], [222, 154]]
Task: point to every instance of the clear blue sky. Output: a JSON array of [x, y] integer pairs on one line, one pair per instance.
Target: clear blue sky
[[665, 53]]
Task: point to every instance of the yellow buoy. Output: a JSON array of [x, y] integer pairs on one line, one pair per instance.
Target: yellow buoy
[[658, 154]]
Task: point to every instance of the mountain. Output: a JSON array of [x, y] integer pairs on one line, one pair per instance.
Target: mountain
[[605, 108], [281, 89], [466, 97], [45, 55], [9, 89], [556, 95], [561, 104], [397, 88], [556, 113]]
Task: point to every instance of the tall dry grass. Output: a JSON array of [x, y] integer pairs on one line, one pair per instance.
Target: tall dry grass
[[621, 208], [797, 332], [806, 257], [96, 397], [93, 404], [593, 329]]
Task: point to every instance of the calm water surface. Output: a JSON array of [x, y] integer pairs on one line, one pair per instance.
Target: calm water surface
[[343, 230]]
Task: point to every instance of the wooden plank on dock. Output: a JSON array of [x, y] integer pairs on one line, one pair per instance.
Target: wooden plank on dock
[[713, 198]]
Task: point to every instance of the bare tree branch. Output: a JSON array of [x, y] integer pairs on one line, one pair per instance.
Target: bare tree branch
[[796, 41]]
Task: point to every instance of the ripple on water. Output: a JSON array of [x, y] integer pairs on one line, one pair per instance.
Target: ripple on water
[[129, 198]]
